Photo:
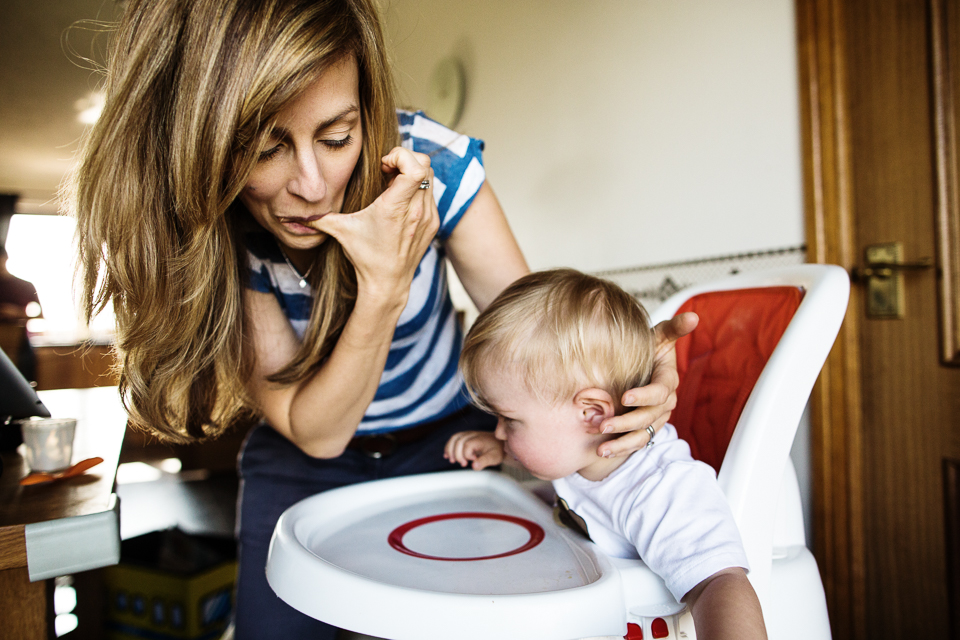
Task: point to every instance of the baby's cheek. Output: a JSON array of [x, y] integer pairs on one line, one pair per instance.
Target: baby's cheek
[[516, 447], [537, 461]]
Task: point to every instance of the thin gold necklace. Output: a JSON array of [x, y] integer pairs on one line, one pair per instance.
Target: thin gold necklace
[[303, 278]]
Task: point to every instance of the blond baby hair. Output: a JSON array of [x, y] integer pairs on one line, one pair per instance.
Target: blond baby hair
[[560, 331]]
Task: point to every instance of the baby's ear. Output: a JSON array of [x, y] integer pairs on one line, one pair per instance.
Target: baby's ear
[[594, 405]]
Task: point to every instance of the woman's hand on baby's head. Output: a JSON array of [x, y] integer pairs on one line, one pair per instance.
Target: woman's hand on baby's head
[[479, 449], [655, 400]]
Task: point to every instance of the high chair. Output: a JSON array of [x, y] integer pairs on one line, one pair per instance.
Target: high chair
[[475, 555], [749, 332]]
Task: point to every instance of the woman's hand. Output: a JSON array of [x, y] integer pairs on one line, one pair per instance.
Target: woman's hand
[[655, 400], [386, 241]]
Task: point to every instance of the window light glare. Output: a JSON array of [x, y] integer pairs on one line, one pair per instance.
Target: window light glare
[[65, 623], [42, 251], [64, 599], [89, 107], [133, 472], [171, 465]]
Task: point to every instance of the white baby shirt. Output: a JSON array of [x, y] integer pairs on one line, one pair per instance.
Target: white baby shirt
[[664, 507]]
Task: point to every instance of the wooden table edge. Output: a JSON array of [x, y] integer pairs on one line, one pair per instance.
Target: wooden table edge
[[13, 547]]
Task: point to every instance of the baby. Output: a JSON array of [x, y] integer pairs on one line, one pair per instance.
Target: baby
[[551, 357]]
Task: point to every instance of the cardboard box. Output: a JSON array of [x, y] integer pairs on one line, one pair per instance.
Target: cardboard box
[[170, 585]]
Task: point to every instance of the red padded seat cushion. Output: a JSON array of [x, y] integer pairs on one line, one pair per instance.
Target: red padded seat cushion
[[720, 362]]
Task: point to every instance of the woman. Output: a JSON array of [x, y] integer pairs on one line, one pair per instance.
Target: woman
[[210, 202]]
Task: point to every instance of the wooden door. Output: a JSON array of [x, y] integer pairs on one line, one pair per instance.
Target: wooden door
[[877, 85]]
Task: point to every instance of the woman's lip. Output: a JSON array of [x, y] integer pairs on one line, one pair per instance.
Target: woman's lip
[[301, 225], [299, 220]]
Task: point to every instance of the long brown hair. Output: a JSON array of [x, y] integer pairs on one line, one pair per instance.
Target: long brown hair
[[192, 90]]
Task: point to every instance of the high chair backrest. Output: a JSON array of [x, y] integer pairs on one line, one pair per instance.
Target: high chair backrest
[[720, 362], [745, 376]]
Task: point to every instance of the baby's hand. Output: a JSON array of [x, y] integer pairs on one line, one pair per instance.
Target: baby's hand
[[479, 447]]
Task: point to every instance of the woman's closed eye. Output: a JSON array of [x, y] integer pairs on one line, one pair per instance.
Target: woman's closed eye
[[269, 153], [338, 143], [331, 143]]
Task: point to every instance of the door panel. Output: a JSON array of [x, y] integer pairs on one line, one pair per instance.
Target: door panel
[[867, 69]]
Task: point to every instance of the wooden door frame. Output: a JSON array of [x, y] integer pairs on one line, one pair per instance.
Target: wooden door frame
[[836, 416], [830, 220], [945, 80]]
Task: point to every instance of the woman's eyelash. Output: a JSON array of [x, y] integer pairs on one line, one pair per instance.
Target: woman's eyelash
[[269, 153], [339, 144], [332, 144]]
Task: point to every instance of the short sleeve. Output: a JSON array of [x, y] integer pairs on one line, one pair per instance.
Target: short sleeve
[[457, 163], [684, 551], [664, 507]]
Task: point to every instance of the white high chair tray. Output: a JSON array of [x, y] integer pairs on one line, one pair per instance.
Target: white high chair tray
[[462, 553]]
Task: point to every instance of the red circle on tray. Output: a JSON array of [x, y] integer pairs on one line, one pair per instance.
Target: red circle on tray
[[396, 536]]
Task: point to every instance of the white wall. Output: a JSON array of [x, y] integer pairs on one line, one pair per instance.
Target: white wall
[[623, 132]]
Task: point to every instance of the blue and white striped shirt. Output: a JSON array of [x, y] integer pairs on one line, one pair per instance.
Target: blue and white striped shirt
[[420, 381]]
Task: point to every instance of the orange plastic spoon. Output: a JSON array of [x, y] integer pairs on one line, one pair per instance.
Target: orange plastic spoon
[[39, 477]]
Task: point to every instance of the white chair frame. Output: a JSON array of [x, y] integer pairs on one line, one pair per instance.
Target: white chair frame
[[757, 474]]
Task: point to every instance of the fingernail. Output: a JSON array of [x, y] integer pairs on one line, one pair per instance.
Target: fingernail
[[607, 429], [630, 399], [607, 453]]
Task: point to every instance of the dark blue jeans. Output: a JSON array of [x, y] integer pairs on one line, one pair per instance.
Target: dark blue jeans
[[275, 474]]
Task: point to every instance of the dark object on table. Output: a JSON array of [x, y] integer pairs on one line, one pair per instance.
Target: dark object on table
[[17, 400]]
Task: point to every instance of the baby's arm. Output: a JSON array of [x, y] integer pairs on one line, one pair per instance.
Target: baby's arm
[[726, 606], [479, 447]]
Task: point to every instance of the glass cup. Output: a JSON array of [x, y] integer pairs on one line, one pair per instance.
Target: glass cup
[[48, 442]]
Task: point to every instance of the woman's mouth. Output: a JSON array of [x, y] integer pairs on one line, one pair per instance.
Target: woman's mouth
[[300, 225]]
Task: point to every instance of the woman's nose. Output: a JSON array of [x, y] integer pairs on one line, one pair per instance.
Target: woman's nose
[[500, 433], [308, 183]]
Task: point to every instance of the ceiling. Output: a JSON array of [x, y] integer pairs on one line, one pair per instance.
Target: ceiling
[[40, 86]]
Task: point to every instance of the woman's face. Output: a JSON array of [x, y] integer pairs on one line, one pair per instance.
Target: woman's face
[[303, 171]]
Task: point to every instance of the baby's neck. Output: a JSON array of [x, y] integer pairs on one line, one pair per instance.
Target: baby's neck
[[602, 467]]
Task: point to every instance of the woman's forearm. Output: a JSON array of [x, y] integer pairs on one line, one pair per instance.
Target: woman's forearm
[[327, 408], [321, 413]]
